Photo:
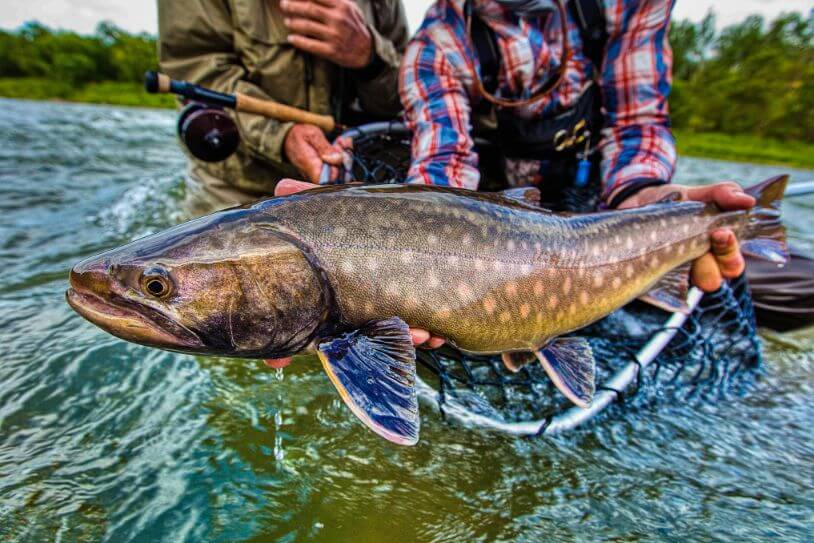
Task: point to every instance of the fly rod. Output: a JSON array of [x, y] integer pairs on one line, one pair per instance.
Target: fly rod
[[158, 83]]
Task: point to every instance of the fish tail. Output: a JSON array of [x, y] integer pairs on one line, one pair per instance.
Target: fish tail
[[764, 235]]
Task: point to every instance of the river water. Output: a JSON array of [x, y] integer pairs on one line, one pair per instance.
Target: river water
[[101, 440]]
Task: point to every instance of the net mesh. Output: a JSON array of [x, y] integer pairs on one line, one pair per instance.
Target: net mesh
[[712, 349]]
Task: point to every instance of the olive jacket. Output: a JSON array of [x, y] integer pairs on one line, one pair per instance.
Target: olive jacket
[[240, 45]]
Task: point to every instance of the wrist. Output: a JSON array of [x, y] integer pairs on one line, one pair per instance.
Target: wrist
[[630, 189]]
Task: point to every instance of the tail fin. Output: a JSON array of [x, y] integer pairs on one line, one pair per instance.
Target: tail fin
[[765, 235]]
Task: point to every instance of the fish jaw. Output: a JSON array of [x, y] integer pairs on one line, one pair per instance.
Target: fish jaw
[[91, 297]]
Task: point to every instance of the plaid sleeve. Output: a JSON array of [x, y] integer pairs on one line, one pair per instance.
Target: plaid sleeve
[[637, 144], [436, 108]]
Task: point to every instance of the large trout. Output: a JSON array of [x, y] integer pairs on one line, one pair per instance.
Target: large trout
[[345, 270]]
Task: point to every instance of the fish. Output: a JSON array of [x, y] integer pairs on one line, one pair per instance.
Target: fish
[[346, 270]]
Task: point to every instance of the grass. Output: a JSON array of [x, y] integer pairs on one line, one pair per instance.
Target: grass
[[105, 92], [703, 145], [746, 148]]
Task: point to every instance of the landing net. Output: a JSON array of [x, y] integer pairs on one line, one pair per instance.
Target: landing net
[[641, 352]]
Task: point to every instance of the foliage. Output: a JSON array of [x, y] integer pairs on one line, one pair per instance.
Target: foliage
[[752, 78], [110, 54]]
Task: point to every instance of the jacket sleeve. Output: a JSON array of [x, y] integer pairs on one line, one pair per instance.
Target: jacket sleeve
[[638, 147], [437, 110], [377, 86], [196, 45]]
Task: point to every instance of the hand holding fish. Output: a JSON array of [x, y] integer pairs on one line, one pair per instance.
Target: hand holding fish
[[724, 261], [332, 29]]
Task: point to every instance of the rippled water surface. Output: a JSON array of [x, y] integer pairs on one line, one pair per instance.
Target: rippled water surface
[[101, 440]]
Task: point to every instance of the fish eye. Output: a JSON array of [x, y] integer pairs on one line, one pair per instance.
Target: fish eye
[[156, 283]]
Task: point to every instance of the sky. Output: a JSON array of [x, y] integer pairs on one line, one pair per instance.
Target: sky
[[140, 15]]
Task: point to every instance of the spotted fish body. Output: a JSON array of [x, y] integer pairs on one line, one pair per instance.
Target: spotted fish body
[[487, 273], [347, 269]]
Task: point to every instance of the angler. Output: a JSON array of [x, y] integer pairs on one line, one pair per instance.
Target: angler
[[347, 269]]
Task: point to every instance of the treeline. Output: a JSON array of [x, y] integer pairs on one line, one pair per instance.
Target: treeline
[[755, 77], [751, 78], [110, 54]]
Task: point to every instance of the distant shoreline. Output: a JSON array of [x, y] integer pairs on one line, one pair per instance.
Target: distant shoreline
[[745, 148]]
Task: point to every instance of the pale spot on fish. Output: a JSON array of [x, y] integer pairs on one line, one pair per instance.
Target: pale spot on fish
[[553, 302], [566, 285], [511, 288], [617, 239], [497, 265], [538, 288], [467, 240], [653, 235], [433, 281], [617, 282], [444, 312], [597, 250], [346, 266], [629, 242], [405, 257], [432, 239], [599, 280], [663, 223], [525, 310], [654, 262], [510, 245], [630, 270], [539, 317], [682, 249], [372, 264], [479, 264], [452, 260], [464, 291], [394, 289], [685, 228], [573, 309], [505, 317], [583, 298], [524, 246], [489, 305]]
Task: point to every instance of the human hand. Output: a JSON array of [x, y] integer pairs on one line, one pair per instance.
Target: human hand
[[725, 260], [307, 148], [335, 30], [420, 337]]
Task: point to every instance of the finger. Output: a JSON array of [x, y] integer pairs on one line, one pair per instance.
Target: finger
[[705, 273], [327, 152], [434, 342], [726, 249], [306, 9], [308, 27], [728, 195], [278, 363], [310, 45], [419, 336], [286, 187], [345, 143]]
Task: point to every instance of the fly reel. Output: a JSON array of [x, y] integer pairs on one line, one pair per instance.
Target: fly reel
[[208, 132]]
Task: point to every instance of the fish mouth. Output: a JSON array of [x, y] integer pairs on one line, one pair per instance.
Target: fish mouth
[[132, 321]]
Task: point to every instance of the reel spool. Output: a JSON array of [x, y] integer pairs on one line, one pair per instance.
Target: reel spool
[[208, 132]]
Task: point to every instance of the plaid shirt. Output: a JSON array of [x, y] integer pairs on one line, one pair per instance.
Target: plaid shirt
[[437, 87]]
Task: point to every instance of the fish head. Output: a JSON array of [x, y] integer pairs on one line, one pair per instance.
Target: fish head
[[223, 285]]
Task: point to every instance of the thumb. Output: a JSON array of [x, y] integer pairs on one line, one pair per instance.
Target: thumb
[[327, 152], [286, 187]]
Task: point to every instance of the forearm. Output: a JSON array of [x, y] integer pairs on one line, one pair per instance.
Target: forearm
[[196, 45]]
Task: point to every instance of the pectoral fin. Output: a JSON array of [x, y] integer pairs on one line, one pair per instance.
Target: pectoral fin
[[569, 363], [373, 369], [670, 294]]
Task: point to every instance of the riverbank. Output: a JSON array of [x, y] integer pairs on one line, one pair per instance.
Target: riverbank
[[744, 148]]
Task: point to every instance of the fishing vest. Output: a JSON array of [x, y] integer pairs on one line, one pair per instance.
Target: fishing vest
[[554, 137]]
